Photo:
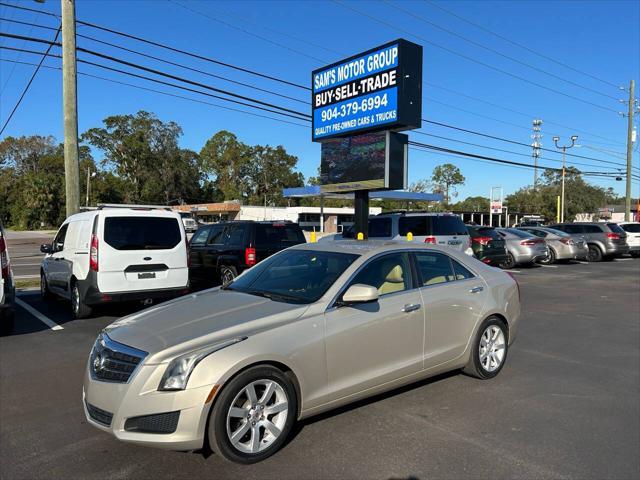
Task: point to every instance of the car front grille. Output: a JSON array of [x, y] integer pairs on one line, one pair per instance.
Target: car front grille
[[98, 415], [112, 361], [158, 423]]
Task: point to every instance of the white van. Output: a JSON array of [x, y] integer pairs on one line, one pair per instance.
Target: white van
[[116, 254]]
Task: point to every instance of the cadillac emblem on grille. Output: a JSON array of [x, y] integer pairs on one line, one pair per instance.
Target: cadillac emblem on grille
[[112, 361]]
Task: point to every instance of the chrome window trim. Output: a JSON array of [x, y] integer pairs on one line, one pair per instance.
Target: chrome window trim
[[106, 342]]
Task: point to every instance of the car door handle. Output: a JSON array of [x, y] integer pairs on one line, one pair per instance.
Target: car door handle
[[410, 307], [476, 289]]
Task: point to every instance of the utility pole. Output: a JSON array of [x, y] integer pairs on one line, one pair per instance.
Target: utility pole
[[627, 203], [536, 136], [564, 168], [70, 106]]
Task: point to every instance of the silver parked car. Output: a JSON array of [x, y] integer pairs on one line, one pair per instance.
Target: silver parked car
[[522, 248], [562, 246], [605, 240], [309, 329]]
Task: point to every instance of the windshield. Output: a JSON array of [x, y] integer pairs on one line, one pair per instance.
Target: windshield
[[294, 276]]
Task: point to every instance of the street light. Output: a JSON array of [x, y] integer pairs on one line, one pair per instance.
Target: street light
[[564, 152]]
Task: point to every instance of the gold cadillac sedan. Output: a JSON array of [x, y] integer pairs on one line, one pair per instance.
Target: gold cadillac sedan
[[307, 330]]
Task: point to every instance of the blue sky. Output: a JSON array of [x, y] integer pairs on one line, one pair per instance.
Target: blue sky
[[289, 39]]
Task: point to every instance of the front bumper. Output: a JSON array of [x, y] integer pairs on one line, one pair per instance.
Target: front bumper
[[140, 397]]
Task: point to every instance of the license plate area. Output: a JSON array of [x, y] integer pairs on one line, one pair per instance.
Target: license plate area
[[146, 275]]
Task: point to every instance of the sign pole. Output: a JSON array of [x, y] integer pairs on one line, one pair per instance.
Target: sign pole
[[361, 204]]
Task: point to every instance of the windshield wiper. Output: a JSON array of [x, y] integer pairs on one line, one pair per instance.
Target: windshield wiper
[[276, 297]]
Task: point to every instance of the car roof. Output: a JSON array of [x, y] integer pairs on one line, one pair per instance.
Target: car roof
[[414, 214], [121, 212], [370, 247]]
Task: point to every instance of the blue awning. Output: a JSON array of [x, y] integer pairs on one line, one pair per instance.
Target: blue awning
[[314, 191]]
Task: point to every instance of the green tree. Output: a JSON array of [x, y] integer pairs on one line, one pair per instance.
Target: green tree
[[226, 159], [271, 169], [143, 152], [447, 177], [472, 204]]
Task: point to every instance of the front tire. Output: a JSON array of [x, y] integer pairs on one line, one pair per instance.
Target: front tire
[[45, 293], [489, 351], [79, 309], [253, 415]]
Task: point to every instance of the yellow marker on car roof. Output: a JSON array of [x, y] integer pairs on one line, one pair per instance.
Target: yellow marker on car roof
[[409, 236]]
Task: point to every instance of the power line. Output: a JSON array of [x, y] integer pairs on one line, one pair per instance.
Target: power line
[[253, 34], [44, 12], [440, 124], [497, 52], [161, 73], [194, 55], [139, 87], [512, 42], [169, 62], [26, 88], [162, 82], [471, 59], [528, 115]]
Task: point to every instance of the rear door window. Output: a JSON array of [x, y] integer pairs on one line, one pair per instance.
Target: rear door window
[[448, 225], [460, 272], [380, 227], [591, 229], [142, 233], [434, 268], [632, 228], [416, 225], [278, 236], [216, 237], [234, 235]]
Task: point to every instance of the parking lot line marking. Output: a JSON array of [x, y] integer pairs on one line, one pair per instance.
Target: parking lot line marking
[[513, 271], [47, 321], [583, 263], [623, 259], [549, 266]]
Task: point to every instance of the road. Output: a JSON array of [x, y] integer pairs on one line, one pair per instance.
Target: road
[[564, 406], [24, 249]]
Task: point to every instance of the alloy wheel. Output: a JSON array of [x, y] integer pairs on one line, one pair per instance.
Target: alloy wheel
[[227, 276], [75, 300], [257, 416], [492, 348]]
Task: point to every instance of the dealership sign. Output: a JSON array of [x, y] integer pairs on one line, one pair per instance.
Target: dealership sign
[[380, 89], [496, 206]]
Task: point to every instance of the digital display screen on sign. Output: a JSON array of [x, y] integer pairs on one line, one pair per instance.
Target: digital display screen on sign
[[371, 161], [378, 89]]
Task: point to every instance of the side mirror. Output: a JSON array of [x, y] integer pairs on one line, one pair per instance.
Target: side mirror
[[46, 248], [360, 293]]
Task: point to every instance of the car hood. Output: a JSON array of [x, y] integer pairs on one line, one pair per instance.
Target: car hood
[[200, 319]]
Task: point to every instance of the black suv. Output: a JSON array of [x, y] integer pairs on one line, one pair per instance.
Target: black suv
[[488, 246], [221, 251]]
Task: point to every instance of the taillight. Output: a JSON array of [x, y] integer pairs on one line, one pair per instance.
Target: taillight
[[93, 253], [482, 240], [567, 241], [430, 239], [528, 243], [613, 236], [517, 284], [4, 259], [250, 256]]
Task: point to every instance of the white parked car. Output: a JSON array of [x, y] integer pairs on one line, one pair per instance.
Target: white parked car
[[633, 236], [116, 254], [7, 288]]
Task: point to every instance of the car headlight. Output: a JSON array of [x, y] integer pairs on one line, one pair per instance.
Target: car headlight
[[179, 369]]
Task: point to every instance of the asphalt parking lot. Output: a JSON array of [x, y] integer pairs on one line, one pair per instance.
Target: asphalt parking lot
[[566, 404]]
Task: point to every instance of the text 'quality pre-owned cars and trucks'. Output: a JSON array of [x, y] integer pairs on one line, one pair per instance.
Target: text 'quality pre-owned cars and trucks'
[[115, 254], [309, 329]]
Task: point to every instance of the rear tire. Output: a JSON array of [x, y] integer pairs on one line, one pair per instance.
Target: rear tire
[[227, 274], [510, 262], [489, 349], [79, 309], [258, 427], [595, 254], [549, 259]]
